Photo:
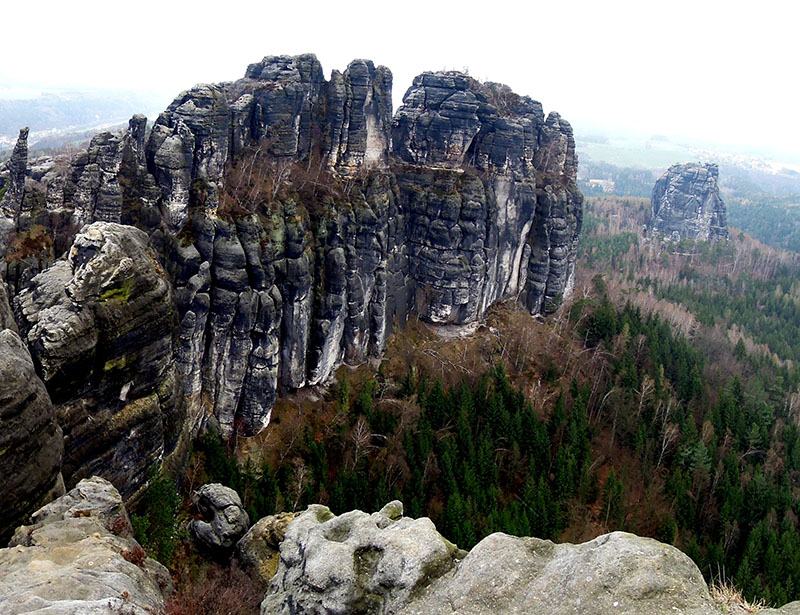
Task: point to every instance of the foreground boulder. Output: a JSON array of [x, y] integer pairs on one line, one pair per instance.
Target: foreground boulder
[[616, 573], [78, 558], [356, 563], [31, 443], [258, 551], [227, 519], [687, 204], [382, 564]]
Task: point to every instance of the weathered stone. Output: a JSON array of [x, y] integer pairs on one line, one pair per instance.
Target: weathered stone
[[31, 442], [614, 573], [687, 205], [355, 563], [79, 558], [227, 519], [384, 564], [258, 551], [100, 327]]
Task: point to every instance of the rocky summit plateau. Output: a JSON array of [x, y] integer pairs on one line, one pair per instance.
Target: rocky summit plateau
[[687, 204]]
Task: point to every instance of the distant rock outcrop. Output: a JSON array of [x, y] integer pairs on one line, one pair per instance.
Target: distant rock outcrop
[[11, 202], [13, 190], [78, 557], [687, 205]]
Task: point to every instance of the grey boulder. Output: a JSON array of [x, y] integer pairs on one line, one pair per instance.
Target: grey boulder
[[615, 573], [227, 520]]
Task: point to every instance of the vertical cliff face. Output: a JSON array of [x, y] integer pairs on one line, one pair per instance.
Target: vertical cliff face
[[687, 205], [100, 328], [500, 213], [31, 442], [298, 221]]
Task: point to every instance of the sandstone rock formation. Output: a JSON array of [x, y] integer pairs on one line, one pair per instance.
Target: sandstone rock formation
[[258, 551], [615, 573], [11, 202], [226, 522], [299, 222], [100, 328], [276, 294], [356, 563], [31, 443], [78, 558], [687, 205], [384, 563]]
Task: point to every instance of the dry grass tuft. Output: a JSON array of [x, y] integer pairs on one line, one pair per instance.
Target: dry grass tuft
[[729, 599]]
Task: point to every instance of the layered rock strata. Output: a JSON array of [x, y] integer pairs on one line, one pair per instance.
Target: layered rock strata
[[687, 204], [100, 328], [299, 222], [78, 557], [31, 442]]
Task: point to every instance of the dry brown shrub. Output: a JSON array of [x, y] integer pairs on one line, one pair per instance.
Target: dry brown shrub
[[221, 591], [136, 555]]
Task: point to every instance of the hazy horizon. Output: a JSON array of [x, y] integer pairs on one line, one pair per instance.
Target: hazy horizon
[[706, 71]]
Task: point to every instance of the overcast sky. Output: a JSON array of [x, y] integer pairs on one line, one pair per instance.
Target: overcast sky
[[724, 72]]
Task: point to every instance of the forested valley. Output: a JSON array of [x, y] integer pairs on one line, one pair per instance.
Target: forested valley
[[661, 400]]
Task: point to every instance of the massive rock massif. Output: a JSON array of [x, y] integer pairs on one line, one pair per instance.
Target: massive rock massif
[[687, 205], [285, 224], [285, 269]]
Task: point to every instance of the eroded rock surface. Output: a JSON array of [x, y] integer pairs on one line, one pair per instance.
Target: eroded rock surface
[[384, 564], [687, 204], [224, 519], [78, 557], [615, 573], [299, 221], [258, 551], [356, 563], [31, 442], [100, 327]]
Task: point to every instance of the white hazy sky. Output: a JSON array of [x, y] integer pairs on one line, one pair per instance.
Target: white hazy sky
[[724, 72]]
